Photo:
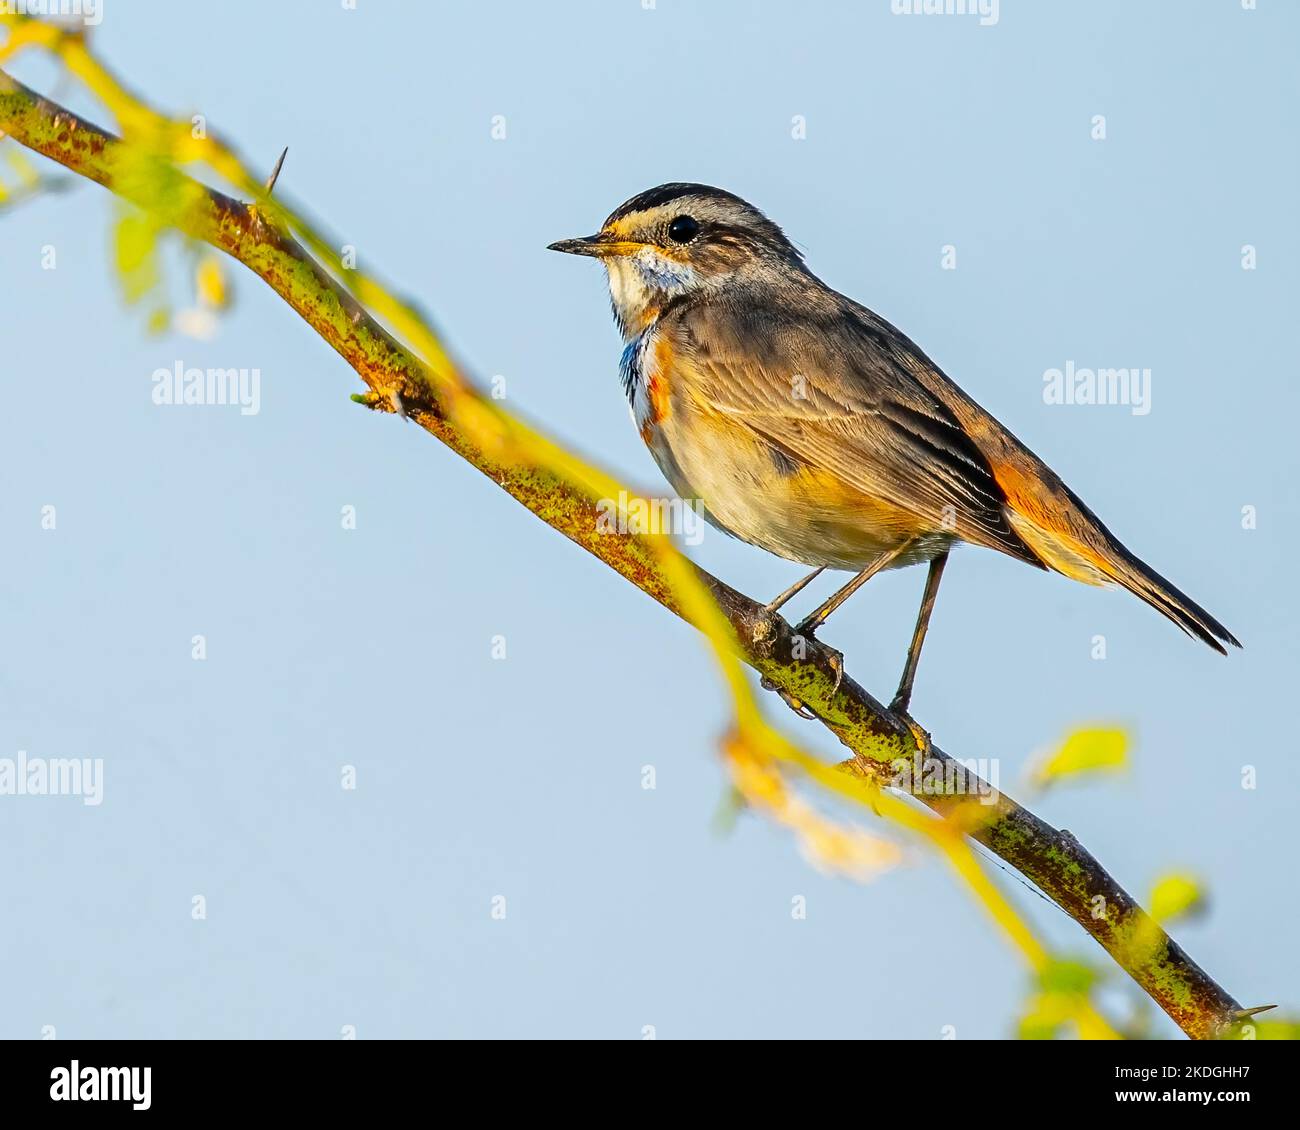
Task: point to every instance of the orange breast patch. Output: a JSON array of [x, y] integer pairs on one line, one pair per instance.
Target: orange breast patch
[[658, 375]]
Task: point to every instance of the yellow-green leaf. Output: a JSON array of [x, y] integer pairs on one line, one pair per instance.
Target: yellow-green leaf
[[1253, 1029], [135, 252], [1045, 1015], [160, 318], [210, 282], [156, 185], [1096, 750], [1176, 896], [1060, 976], [26, 171]]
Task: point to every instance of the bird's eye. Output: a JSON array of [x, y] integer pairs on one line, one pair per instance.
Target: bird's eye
[[683, 229]]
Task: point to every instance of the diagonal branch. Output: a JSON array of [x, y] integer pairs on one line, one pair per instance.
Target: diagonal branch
[[1052, 859]]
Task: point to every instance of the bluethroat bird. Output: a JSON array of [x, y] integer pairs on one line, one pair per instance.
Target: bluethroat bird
[[805, 424]]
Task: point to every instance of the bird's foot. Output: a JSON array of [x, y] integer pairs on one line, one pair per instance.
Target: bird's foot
[[806, 629], [920, 735], [836, 660], [795, 704]]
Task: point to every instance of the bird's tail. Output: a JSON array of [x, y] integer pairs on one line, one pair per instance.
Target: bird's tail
[[1143, 581], [1092, 554]]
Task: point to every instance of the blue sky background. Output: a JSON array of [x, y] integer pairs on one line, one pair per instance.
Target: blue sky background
[[522, 777]]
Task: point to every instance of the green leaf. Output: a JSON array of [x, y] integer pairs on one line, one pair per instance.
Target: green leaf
[[1061, 976], [731, 804]]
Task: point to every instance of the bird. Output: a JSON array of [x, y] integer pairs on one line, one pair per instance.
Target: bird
[[801, 422]]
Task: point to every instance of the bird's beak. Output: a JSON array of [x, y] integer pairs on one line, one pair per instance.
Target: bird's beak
[[600, 245]]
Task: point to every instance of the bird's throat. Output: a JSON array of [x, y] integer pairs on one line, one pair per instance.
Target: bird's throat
[[641, 285]]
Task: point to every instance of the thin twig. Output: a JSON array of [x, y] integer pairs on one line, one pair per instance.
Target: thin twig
[[275, 173]]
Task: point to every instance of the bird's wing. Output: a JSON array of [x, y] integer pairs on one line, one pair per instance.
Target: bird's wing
[[829, 390]]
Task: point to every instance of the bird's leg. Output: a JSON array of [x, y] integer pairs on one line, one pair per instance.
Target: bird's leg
[[815, 619], [903, 696], [810, 623], [794, 590], [795, 704]]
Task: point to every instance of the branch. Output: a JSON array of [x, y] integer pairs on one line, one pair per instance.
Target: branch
[[1053, 860]]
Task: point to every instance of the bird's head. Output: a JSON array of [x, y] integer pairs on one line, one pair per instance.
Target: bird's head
[[677, 239]]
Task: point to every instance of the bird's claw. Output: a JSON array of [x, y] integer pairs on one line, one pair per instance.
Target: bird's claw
[[795, 704], [836, 660], [920, 735], [806, 629]]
